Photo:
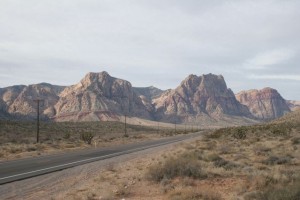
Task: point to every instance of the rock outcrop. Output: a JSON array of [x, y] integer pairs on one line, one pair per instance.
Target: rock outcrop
[[98, 96], [205, 95], [147, 94], [18, 101], [265, 104]]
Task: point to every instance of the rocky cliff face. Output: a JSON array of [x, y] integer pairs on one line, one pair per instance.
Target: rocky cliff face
[[98, 96], [265, 104], [147, 94], [18, 101], [197, 96]]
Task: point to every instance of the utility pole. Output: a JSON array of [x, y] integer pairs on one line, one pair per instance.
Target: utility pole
[[157, 126], [38, 119], [175, 126], [125, 127]]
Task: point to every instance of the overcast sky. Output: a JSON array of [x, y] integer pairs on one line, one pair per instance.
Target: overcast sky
[[253, 44]]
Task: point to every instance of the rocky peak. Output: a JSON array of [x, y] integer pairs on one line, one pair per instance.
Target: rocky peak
[[99, 93], [209, 84], [197, 95], [265, 104]]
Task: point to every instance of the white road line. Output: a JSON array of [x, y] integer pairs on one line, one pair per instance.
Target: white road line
[[90, 159]]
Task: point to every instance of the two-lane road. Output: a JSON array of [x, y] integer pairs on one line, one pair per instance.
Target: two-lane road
[[30, 167]]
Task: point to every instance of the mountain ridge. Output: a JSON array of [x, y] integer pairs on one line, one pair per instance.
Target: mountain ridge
[[99, 96]]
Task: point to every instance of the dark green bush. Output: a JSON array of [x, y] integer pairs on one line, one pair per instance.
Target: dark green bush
[[87, 137]]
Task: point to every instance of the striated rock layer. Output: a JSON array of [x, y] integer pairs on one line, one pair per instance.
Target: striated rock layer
[[265, 104]]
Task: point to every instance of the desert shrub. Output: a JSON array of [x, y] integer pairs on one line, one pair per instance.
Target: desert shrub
[[261, 150], [123, 190], [289, 192], [225, 164], [274, 160], [31, 148], [87, 137], [295, 140], [280, 129], [67, 136], [190, 194], [225, 149], [15, 149], [212, 157], [176, 167], [239, 133]]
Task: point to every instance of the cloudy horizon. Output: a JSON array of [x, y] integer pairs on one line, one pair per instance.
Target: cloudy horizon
[[253, 44]]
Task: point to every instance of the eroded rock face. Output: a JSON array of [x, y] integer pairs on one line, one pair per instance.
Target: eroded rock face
[[265, 104], [18, 101], [198, 95], [97, 96]]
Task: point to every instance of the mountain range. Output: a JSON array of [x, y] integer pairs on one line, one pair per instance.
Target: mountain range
[[98, 96]]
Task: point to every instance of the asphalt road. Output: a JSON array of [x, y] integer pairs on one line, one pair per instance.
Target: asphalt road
[[11, 171]]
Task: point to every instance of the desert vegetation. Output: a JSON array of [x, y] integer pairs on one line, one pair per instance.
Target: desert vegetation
[[262, 160], [18, 138]]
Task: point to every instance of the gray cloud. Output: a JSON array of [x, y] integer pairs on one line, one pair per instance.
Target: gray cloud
[[252, 43]]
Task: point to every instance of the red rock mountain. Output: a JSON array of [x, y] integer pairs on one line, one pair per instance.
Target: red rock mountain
[[18, 101], [265, 104], [205, 95], [98, 96]]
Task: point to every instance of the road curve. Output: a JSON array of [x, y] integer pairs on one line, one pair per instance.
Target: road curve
[[11, 171]]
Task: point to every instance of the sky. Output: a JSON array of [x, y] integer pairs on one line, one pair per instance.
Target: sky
[[252, 43]]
